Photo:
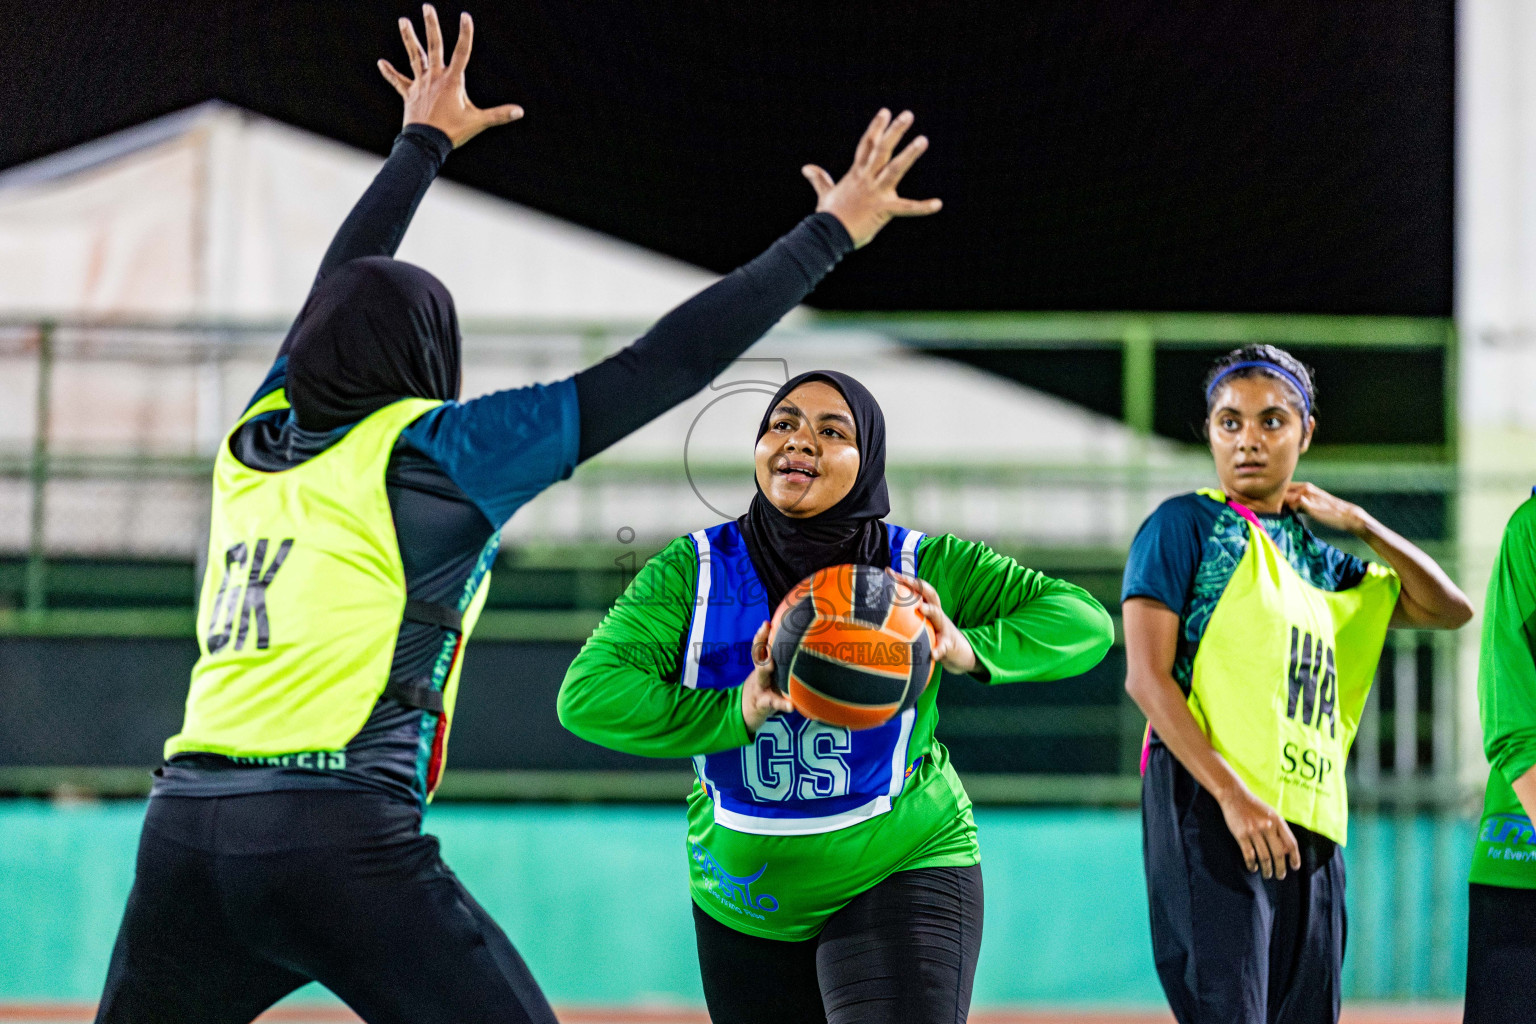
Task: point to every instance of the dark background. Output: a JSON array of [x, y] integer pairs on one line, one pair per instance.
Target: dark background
[[1275, 156]]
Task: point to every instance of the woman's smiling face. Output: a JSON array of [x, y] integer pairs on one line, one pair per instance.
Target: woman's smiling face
[[808, 458]]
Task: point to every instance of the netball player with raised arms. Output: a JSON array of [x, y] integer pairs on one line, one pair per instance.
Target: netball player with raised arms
[[1251, 646], [357, 508], [835, 873]]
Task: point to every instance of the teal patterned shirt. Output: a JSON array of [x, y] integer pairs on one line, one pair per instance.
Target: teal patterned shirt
[[1187, 550]]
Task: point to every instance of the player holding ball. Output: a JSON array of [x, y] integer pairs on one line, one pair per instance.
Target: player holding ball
[[835, 872]]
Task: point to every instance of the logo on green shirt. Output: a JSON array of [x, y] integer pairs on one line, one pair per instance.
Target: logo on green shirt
[[734, 891], [1508, 828]]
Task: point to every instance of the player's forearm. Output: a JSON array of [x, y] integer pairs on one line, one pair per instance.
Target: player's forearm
[[615, 705], [376, 225], [1164, 704], [1061, 632], [1429, 599], [378, 221], [690, 345]]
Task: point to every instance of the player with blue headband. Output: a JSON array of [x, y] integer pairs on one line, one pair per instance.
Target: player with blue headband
[[1271, 367], [1251, 646]]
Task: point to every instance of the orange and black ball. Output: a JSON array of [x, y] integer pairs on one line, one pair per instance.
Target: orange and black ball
[[850, 647]]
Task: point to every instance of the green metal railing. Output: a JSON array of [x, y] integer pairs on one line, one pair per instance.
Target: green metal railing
[[1140, 337]]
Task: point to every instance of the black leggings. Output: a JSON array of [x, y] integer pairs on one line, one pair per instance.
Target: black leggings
[[904, 952], [1501, 955], [240, 900], [1230, 946]]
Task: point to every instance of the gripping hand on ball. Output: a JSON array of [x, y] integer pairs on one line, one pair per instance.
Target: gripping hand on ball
[[436, 96], [761, 697], [950, 646]]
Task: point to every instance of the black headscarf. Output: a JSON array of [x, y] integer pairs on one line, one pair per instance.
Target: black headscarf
[[373, 331], [785, 550]]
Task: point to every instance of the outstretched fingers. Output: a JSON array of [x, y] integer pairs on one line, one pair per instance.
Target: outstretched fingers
[[820, 180], [504, 114], [464, 44], [897, 169], [401, 83], [914, 207], [413, 50], [864, 155], [434, 36], [865, 198], [890, 138]]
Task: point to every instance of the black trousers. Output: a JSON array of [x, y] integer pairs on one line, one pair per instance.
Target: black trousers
[[903, 952], [1231, 946], [1501, 955], [239, 900]]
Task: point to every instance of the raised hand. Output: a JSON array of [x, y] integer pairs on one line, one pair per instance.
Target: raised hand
[[1429, 599], [1334, 513], [761, 697], [435, 96], [865, 199]]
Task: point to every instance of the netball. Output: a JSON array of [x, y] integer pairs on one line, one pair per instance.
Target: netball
[[850, 648]]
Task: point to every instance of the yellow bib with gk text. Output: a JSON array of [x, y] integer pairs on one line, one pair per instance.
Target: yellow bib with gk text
[[302, 598]]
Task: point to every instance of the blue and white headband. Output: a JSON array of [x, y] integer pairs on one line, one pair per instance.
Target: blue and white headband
[[1262, 364]]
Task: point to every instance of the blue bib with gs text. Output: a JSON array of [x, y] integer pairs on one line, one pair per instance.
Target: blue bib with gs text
[[798, 776]]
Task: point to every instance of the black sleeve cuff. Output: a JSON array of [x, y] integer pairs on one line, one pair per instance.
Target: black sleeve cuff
[[837, 238], [433, 141], [815, 245]]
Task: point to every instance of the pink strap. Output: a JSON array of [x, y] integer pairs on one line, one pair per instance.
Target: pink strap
[[1246, 513], [1146, 748]]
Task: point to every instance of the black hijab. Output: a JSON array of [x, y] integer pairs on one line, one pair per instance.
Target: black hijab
[[373, 331], [785, 550]]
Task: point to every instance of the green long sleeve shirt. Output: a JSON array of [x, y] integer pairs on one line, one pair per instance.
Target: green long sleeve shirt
[[623, 692], [1506, 697]]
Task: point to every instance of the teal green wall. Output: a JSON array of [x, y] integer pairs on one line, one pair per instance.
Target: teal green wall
[[596, 899]]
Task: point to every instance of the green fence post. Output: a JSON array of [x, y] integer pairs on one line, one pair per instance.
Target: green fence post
[[36, 587], [1138, 377]]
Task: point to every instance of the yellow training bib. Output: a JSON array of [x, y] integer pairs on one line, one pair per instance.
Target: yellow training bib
[[303, 597], [1281, 676]]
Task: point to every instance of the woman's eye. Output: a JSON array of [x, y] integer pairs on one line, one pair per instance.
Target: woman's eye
[[1273, 423], [1229, 424]]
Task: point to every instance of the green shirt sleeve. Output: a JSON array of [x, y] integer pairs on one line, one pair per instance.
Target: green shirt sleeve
[[1506, 675], [1023, 625], [623, 691]]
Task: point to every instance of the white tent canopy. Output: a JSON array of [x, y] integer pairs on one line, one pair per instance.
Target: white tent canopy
[[215, 212]]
